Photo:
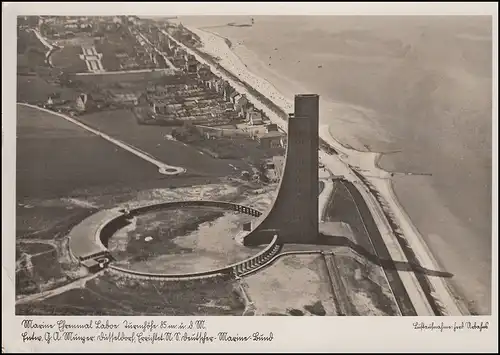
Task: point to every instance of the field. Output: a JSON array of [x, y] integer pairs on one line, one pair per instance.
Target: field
[[30, 52], [34, 89], [119, 52], [368, 293], [114, 295], [56, 158], [68, 59], [122, 125], [294, 285]]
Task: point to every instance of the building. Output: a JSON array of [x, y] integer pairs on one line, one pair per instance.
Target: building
[[270, 139], [294, 214], [204, 72], [228, 92], [254, 118], [272, 127], [274, 168], [240, 104], [81, 102], [126, 99], [191, 64], [91, 265], [233, 96]]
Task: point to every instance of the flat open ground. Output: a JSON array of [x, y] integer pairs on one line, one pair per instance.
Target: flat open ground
[[122, 125], [293, 285], [34, 89], [68, 58], [114, 295], [182, 240], [368, 292], [56, 158]]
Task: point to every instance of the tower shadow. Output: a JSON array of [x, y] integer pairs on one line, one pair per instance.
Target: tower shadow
[[341, 241]]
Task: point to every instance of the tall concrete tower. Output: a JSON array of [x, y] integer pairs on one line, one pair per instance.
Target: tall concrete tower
[[294, 215]]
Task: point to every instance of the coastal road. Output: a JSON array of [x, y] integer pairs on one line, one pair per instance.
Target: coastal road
[[341, 165], [163, 54]]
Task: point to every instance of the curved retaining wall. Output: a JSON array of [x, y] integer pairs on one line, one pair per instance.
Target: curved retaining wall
[[202, 203], [235, 270], [118, 219], [109, 227]]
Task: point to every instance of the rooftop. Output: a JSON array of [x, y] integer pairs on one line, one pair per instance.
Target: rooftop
[[272, 134]]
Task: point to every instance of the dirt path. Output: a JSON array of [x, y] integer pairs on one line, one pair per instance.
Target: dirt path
[[57, 291]]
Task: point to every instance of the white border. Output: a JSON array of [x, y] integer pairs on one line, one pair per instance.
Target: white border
[[301, 334]]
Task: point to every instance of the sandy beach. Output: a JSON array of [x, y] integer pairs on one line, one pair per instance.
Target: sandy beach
[[390, 85]]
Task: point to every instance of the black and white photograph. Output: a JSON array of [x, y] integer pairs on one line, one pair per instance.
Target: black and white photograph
[[253, 165]]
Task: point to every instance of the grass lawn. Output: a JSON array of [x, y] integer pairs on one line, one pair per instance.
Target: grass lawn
[[122, 125], [68, 59], [57, 158], [114, 295]]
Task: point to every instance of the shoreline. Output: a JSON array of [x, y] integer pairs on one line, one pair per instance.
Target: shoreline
[[353, 157]]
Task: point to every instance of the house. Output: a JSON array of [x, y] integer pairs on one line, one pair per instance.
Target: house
[[274, 168], [227, 92], [272, 127], [240, 103], [127, 99], [163, 108], [254, 118], [133, 20], [210, 84], [81, 102], [88, 102], [191, 64], [204, 72], [279, 164], [270, 139], [233, 96], [219, 86]]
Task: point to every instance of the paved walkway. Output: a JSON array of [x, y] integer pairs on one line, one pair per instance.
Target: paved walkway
[[84, 237]]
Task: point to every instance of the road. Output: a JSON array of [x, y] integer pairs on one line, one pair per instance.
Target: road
[[163, 54], [80, 283]]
